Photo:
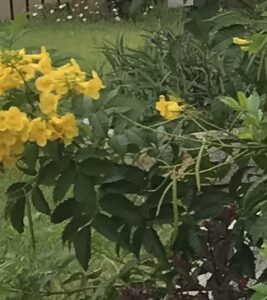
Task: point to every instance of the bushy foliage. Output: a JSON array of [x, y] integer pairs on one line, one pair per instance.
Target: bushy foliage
[[169, 164]]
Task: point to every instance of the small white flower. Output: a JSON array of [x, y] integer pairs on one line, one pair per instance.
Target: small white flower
[[114, 9], [86, 7], [40, 7], [36, 5], [151, 7], [117, 19], [145, 13], [86, 121], [82, 1], [81, 15], [76, 5], [110, 132], [34, 14], [61, 6], [52, 11], [69, 17], [84, 19], [97, 12], [58, 20]]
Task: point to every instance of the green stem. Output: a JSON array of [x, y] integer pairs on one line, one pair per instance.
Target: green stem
[[29, 215], [175, 204]]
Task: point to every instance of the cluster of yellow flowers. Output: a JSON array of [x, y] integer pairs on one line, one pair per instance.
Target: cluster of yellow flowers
[[170, 110], [56, 83], [52, 84], [16, 129]]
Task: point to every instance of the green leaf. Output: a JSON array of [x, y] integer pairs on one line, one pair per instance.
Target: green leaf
[[137, 240], [254, 105], [95, 166], [64, 211], [210, 204], [120, 206], [243, 101], [256, 188], [84, 193], [30, 155], [244, 261], [73, 226], [153, 245], [48, 174], [119, 143], [260, 288], [99, 122], [128, 173], [82, 246], [231, 102], [106, 226], [64, 183], [39, 202], [258, 229], [84, 189], [257, 296], [15, 206]]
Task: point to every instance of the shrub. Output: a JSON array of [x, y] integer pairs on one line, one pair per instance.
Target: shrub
[[149, 166]]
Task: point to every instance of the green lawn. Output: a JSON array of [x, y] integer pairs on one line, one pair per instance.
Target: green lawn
[[80, 39]]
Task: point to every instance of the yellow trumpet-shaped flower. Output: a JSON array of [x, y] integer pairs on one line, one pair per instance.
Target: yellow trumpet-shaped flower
[[49, 103], [15, 119], [63, 127], [170, 110], [38, 132], [241, 42], [92, 87]]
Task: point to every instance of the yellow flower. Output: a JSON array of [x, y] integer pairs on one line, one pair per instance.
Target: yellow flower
[[45, 84], [92, 87], [48, 103], [27, 71], [3, 125], [241, 42], [4, 150], [15, 119], [38, 132], [45, 62], [8, 138], [17, 148], [170, 110], [63, 127], [69, 126]]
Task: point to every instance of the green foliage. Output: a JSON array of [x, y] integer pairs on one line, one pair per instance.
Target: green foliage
[[176, 199]]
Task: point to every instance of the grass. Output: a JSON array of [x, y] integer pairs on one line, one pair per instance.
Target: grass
[[82, 40]]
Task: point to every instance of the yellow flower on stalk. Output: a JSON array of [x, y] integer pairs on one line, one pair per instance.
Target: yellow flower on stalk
[[38, 132], [92, 87], [69, 126], [48, 103], [8, 137], [170, 110], [3, 125], [63, 127], [241, 42], [15, 119], [45, 62]]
